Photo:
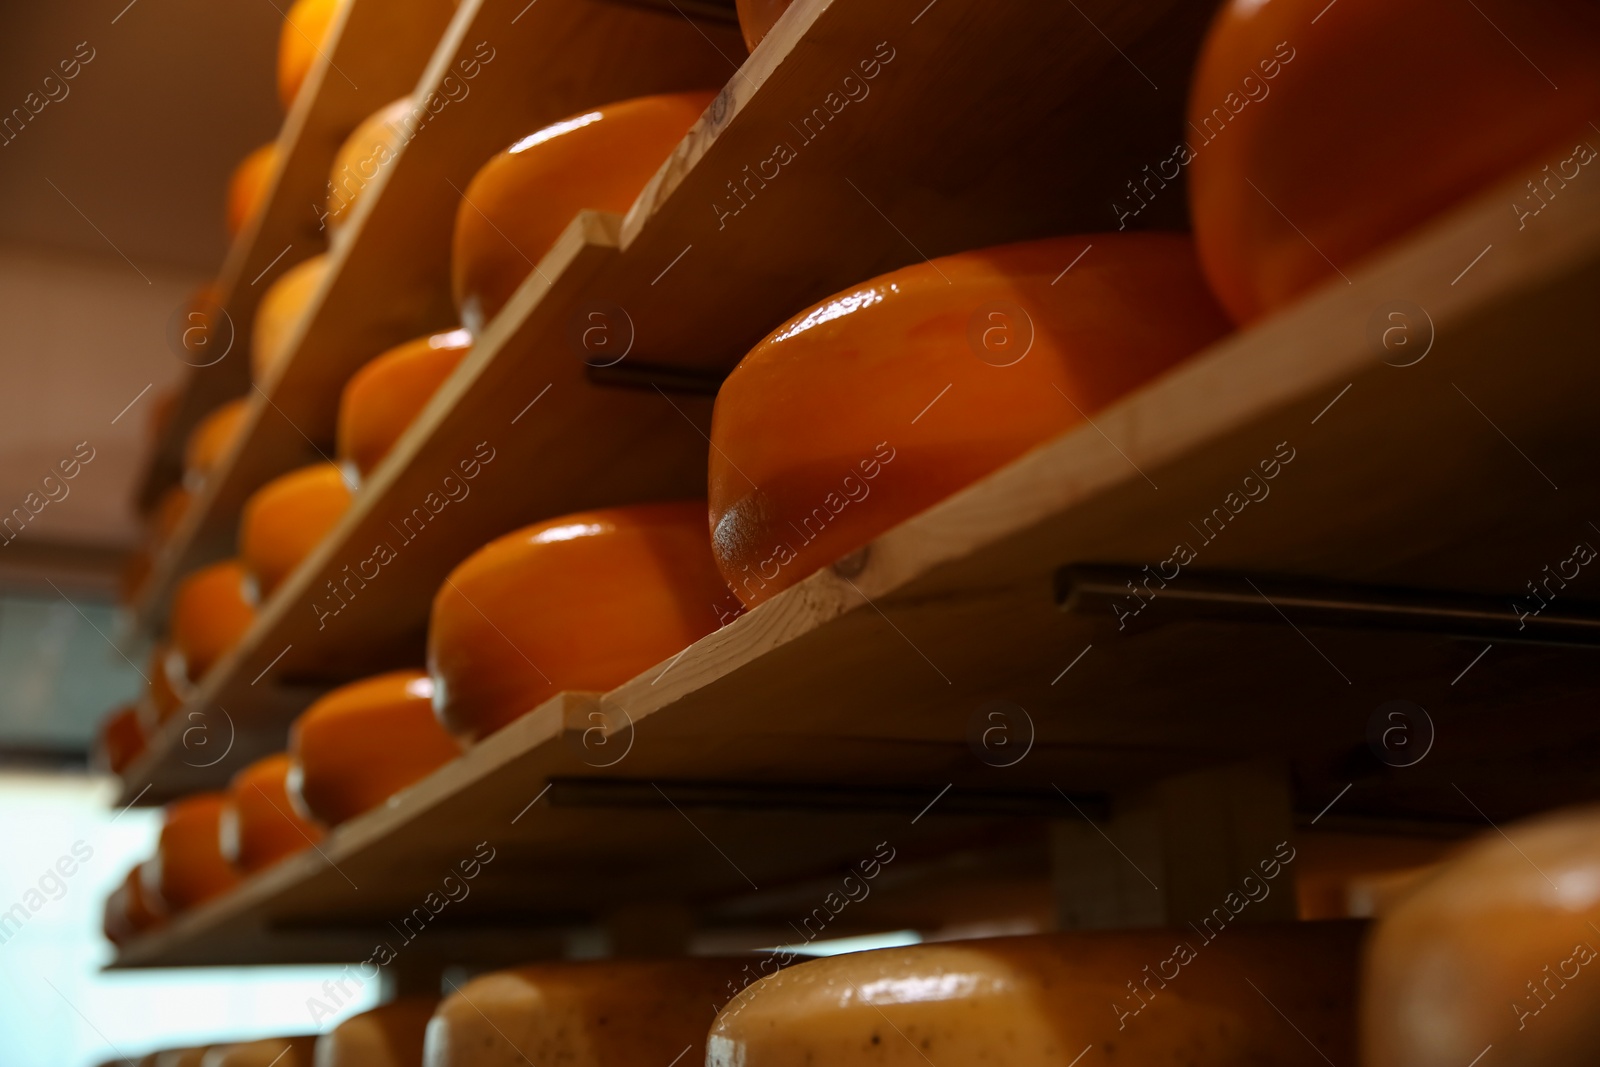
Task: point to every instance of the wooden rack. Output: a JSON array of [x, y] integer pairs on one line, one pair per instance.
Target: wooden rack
[[1440, 474]]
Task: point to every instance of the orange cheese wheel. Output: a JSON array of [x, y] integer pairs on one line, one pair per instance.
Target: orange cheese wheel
[[879, 402], [756, 18], [121, 739], [518, 204], [364, 153], [278, 317], [189, 867], [260, 826], [211, 611], [169, 512], [583, 1014], [165, 402], [364, 742], [582, 602], [386, 1036], [305, 35], [212, 438], [386, 395], [1047, 1000], [128, 912], [268, 1052], [247, 188], [135, 572], [1499, 947], [1318, 134], [286, 519], [162, 698]]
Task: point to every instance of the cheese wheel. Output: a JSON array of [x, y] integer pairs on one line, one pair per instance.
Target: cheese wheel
[[364, 153], [128, 912], [756, 18], [582, 1014], [168, 514], [306, 33], [135, 572], [879, 402], [259, 825], [278, 317], [270, 1052], [161, 697], [383, 398], [386, 1036], [1499, 947], [1047, 1000], [1314, 145], [181, 1057], [247, 188], [212, 439], [364, 742], [582, 602], [211, 611], [285, 520], [121, 739], [518, 204], [188, 867], [165, 403]]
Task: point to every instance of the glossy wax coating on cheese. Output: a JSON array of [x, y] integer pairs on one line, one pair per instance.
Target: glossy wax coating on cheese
[[583, 1015], [1055, 1000]]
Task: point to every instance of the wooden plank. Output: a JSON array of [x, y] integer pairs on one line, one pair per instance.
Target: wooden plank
[[1078, 500], [375, 51], [878, 678], [859, 138], [502, 70], [519, 399], [391, 282]]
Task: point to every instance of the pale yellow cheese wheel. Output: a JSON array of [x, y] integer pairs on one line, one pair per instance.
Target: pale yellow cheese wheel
[[1501, 947], [1053, 1000], [386, 1036], [268, 1052], [180, 1057], [612, 1014]]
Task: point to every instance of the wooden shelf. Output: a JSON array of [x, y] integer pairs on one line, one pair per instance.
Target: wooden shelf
[[587, 445], [374, 55], [389, 279], [1438, 475]]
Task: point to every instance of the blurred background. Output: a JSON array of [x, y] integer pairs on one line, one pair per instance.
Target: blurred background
[[110, 216]]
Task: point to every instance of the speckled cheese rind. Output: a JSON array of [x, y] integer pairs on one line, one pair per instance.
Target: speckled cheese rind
[[582, 1015], [1054, 1000], [386, 1036], [268, 1052], [1501, 947]]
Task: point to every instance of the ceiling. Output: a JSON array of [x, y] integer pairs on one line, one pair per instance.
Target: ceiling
[[111, 205]]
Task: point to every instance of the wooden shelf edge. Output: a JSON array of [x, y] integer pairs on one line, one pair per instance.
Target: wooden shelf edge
[[587, 243]]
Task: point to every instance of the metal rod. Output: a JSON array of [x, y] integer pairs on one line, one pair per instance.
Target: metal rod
[[1223, 596], [758, 796]]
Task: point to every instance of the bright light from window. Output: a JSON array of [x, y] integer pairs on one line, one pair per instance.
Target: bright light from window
[[57, 1007]]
